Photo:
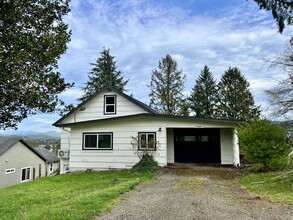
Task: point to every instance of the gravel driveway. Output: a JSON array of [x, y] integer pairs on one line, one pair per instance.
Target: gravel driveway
[[198, 193]]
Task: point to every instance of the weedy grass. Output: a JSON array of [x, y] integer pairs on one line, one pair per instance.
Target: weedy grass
[[69, 196], [192, 185], [276, 186]]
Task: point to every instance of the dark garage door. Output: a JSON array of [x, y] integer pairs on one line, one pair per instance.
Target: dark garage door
[[197, 145]]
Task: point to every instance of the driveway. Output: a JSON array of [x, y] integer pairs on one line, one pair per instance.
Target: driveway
[[198, 193]]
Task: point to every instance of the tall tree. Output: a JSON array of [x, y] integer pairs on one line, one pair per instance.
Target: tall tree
[[33, 37], [103, 73], [281, 97], [203, 95], [167, 84], [282, 11], [235, 100]]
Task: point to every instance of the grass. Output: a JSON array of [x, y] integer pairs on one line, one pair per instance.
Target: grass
[[69, 196], [269, 185], [192, 185]]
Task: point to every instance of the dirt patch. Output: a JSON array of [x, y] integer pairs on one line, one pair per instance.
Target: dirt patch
[[198, 193]]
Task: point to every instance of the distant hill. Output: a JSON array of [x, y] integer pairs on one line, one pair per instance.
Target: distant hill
[[32, 134], [51, 138]]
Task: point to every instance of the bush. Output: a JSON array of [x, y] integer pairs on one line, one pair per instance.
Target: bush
[[146, 164], [264, 144]]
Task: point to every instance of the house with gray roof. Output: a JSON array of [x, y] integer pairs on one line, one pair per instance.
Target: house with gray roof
[[98, 133], [20, 162]]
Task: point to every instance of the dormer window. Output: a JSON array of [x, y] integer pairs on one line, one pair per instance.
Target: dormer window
[[110, 104]]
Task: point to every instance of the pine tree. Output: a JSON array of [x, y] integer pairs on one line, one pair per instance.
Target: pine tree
[[104, 73], [203, 95], [235, 100], [167, 84]]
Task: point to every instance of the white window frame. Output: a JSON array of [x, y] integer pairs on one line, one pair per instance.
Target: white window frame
[[10, 170], [141, 147], [97, 144], [111, 104], [29, 174]]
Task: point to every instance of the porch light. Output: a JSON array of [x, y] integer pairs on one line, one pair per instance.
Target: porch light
[[160, 129]]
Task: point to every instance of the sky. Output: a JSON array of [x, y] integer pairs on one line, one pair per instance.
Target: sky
[[139, 33]]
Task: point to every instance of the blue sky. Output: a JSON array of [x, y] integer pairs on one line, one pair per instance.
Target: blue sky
[[139, 33]]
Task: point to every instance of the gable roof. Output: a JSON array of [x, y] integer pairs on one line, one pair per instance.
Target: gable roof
[[109, 88], [8, 141], [151, 115], [48, 155]]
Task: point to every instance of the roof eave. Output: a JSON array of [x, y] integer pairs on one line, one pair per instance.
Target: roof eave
[[149, 115]]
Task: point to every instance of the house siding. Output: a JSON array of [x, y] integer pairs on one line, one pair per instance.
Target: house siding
[[18, 157], [122, 155], [94, 109]]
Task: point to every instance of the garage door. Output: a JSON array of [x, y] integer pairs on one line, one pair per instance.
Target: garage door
[[197, 145]]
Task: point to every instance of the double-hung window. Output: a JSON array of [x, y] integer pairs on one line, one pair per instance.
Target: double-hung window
[[110, 104], [97, 141], [25, 174], [147, 141]]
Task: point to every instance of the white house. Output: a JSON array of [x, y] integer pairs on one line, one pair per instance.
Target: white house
[[97, 135]]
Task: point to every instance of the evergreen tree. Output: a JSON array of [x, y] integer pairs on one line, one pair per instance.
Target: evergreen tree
[[167, 84], [104, 73], [281, 11], [235, 100], [204, 95]]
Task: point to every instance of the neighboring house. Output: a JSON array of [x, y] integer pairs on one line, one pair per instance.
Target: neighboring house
[[20, 162], [97, 135]]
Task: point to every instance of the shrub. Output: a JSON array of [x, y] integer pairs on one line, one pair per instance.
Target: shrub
[[146, 164], [264, 144]]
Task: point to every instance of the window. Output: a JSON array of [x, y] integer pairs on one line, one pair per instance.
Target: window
[[97, 141], [147, 141], [66, 168], [110, 104], [25, 174], [11, 170], [51, 167]]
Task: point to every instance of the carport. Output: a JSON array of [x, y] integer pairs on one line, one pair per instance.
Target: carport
[[209, 143]]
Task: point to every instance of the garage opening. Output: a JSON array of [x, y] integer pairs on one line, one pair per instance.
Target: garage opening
[[194, 145]]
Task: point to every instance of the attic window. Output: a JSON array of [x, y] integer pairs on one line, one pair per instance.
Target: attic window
[[110, 104]]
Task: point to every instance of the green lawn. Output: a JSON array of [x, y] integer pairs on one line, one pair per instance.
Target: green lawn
[[69, 196], [270, 185]]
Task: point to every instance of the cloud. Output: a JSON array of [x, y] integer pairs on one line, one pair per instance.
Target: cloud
[[195, 33]]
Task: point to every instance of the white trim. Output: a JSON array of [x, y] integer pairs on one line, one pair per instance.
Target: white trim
[[10, 170], [146, 147], [29, 177], [110, 104], [236, 154]]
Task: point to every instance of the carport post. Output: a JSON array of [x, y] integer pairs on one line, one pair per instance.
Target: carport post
[[236, 155]]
